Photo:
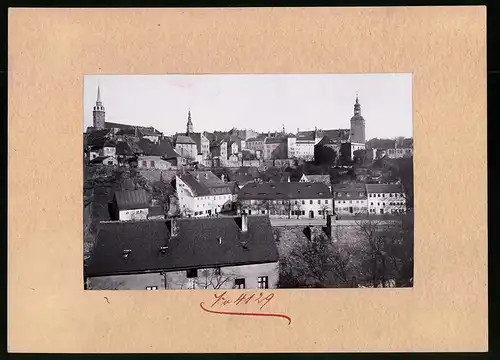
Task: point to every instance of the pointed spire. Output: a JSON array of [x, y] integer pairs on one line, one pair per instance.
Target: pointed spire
[[357, 105], [98, 93]]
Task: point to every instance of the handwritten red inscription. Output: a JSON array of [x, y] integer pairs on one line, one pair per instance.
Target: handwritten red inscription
[[258, 301]]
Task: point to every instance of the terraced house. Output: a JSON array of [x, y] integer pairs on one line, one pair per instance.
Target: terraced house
[[299, 199]]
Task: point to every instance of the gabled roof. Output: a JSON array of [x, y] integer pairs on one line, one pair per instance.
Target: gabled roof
[[351, 191], [196, 246], [132, 199], [126, 131], [204, 183], [384, 188], [111, 125], [306, 135], [284, 190], [149, 131], [336, 134], [325, 179], [275, 140], [381, 144], [183, 139]]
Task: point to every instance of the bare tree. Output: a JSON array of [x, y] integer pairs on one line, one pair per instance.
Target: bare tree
[[163, 192], [297, 206], [317, 260]]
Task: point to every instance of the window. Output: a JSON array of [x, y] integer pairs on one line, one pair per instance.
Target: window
[[144, 163], [192, 273], [320, 212], [217, 271], [239, 283], [151, 288], [348, 194], [296, 202], [303, 212], [378, 195], [310, 202], [152, 164], [326, 201], [110, 162], [339, 194], [303, 202], [319, 201], [263, 282]]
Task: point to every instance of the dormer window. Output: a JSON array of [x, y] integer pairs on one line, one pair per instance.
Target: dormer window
[[126, 253], [163, 249]]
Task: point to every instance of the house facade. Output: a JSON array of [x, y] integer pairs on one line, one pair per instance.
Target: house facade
[[201, 193], [213, 253], [130, 205], [386, 199], [350, 199], [104, 160], [287, 199]]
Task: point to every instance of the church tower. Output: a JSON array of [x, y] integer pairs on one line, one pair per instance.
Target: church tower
[[357, 125], [99, 112], [189, 126]]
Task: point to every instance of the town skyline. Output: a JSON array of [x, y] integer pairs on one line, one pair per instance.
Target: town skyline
[[386, 102]]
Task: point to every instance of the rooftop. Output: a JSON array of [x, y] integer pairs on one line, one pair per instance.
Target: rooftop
[[196, 245], [284, 190], [384, 188], [132, 199]]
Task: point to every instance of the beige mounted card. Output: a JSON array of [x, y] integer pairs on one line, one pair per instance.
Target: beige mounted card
[[50, 52]]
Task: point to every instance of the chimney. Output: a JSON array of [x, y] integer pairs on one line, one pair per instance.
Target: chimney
[[173, 226], [206, 175], [222, 177], [244, 223]]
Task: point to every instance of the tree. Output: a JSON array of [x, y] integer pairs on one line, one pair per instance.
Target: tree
[[325, 210], [386, 250], [163, 192], [317, 260], [213, 278], [297, 207], [324, 155]]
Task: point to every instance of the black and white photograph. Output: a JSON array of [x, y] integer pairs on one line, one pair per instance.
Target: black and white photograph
[[249, 181]]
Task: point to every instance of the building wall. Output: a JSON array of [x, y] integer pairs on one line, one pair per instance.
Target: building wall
[[343, 206], [93, 154], [399, 153], [136, 214], [205, 146], [201, 205], [186, 150], [388, 202], [358, 131], [279, 209], [291, 147], [179, 279], [153, 162], [304, 149], [108, 151]]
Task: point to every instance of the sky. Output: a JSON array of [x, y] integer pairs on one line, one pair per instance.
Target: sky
[[259, 102]]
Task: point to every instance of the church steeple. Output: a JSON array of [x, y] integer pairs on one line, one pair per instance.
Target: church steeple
[[99, 113], [189, 126], [357, 106]]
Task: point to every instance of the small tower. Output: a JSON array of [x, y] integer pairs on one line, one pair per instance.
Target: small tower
[[189, 126], [357, 124], [99, 113]]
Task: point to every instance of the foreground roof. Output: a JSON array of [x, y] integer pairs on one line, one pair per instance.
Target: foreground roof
[[384, 188], [132, 199], [284, 190], [196, 246]]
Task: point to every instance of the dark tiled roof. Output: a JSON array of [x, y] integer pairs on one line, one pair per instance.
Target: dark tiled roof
[[135, 199], [305, 135], [356, 191], [111, 125], [196, 245], [381, 144], [149, 131], [126, 131], [384, 188], [275, 140], [99, 159], [155, 211], [205, 183], [285, 190], [335, 135]]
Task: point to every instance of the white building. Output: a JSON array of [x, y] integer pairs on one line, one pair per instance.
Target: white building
[[350, 199], [211, 253], [153, 162], [201, 193], [287, 199], [386, 199], [131, 205]]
